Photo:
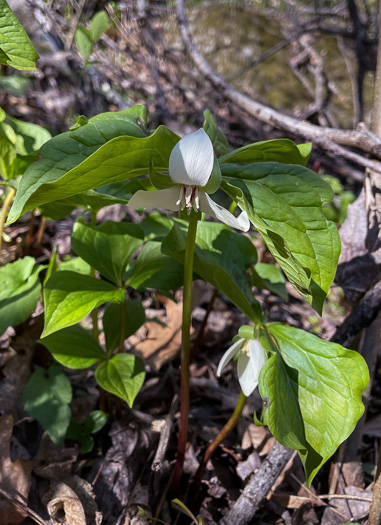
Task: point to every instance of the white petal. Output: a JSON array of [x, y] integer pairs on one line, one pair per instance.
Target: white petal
[[208, 206], [166, 199], [229, 354], [245, 375], [191, 160], [258, 357]]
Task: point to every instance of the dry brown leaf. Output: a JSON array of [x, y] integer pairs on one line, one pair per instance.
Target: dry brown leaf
[[254, 436], [54, 462], [14, 476], [162, 343], [289, 501], [62, 502]]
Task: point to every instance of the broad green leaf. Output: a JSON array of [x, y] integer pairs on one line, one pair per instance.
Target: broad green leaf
[[82, 433], [64, 152], [75, 264], [7, 153], [69, 297], [16, 49], [95, 421], [61, 174], [219, 141], [134, 317], [74, 347], [107, 247], [222, 257], [122, 375], [312, 391], [122, 191], [275, 150], [29, 137], [284, 203], [46, 397], [269, 277], [76, 432], [84, 43], [92, 200], [19, 291], [153, 269], [99, 25], [155, 225]]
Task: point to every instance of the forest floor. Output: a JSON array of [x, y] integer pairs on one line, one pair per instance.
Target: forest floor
[[122, 471]]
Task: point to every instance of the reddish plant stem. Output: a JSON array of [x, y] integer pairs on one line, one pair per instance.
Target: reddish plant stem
[[185, 352]]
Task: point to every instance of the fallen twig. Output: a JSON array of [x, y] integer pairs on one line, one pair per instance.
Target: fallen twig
[[258, 486]]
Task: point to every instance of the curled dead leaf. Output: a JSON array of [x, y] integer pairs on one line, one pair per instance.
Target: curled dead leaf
[[63, 504]]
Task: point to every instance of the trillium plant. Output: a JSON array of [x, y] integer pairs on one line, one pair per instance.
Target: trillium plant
[[218, 199]]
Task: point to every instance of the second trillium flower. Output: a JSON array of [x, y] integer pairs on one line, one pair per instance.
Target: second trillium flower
[[190, 167], [252, 356]]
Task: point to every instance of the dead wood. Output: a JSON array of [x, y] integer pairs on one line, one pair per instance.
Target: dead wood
[[329, 139], [258, 487]]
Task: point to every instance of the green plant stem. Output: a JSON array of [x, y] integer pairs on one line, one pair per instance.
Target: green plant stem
[[4, 211], [216, 442], [185, 351], [94, 313], [122, 333]]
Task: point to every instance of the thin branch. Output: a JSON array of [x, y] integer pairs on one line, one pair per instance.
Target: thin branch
[[258, 487], [330, 139]]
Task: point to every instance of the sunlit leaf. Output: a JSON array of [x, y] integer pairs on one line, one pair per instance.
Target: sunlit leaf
[[16, 49], [312, 394], [122, 375]]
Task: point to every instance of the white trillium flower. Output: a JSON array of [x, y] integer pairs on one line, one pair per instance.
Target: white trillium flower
[[252, 356], [190, 166]]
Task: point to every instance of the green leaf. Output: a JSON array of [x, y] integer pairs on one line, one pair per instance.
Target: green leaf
[[75, 264], [83, 42], [29, 137], [99, 25], [155, 226], [74, 347], [95, 421], [69, 167], [66, 151], [312, 391], [19, 292], [284, 203], [153, 269], [46, 397], [134, 318], [181, 507], [269, 277], [69, 297], [53, 265], [219, 141], [275, 150], [222, 257], [107, 247], [7, 153], [16, 49], [122, 375], [82, 433]]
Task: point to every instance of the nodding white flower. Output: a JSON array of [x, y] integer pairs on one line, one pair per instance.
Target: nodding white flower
[[190, 167], [252, 356]]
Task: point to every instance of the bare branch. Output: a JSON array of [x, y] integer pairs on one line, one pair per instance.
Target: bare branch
[[330, 139], [258, 486]]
